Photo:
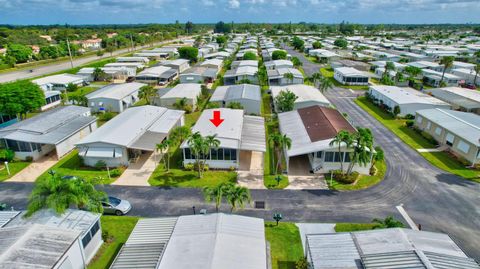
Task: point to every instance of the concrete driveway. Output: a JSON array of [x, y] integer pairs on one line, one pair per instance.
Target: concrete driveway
[[300, 178], [35, 169], [250, 172], [137, 174]]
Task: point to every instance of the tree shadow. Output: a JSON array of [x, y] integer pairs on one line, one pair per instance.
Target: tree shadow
[[455, 180]]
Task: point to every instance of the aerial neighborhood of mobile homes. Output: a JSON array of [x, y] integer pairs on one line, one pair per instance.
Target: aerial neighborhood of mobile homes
[[186, 127]]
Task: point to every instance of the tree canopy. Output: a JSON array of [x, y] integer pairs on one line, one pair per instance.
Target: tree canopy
[[189, 53], [297, 43], [285, 101], [19, 52], [249, 56], [341, 43], [221, 27], [20, 97], [279, 55]]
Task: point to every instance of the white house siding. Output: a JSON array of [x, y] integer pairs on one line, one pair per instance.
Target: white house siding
[[249, 106], [69, 144], [111, 162], [92, 247], [168, 102], [73, 258], [112, 105]]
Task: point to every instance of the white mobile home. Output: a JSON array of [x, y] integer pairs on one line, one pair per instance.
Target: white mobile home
[[189, 91], [241, 74], [350, 76], [279, 77], [157, 75], [434, 78], [111, 72], [237, 133], [306, 95], [178, 64], [59, 82], [247, 95], [278, 64], [56, 130], [459, 98], [407, 99], [114, 97], [198, 74], [128, 135]]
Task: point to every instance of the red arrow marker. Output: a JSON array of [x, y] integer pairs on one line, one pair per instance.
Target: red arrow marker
[[216, 120]]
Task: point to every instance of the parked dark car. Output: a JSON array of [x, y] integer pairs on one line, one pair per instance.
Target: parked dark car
[[470, 86]]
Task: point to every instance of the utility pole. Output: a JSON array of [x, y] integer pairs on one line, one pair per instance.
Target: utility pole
[[131, 41], [69, 53]]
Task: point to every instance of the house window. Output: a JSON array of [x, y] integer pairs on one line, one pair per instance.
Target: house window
[[90, 234], [92, 104], [449, 139], [429, 124], [329, 156], [214, 154], [438, 131], [419, 119], [188, 154], [463, 147], [337, 157], [347, 157], [319, 154]]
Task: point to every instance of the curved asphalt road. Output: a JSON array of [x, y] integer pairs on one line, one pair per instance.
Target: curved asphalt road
[[438, 201], [63, 65]]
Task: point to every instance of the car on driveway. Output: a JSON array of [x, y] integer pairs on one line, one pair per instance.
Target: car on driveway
[[116, 206]]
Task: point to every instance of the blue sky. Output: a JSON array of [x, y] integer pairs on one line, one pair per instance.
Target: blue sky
[[167, 11]]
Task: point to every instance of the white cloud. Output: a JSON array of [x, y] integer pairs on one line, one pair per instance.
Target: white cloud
[[208, 3], [234, 4]]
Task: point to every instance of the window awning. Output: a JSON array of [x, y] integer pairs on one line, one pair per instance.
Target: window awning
[[103, 152]]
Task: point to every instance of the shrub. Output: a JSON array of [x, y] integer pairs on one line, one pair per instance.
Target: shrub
[[7, 155], [302, 264], [232, 168], [115, 173], [213, 105], [409, 117], [29, 159], [373, 171], [106, 236], [344, 178], [409, 123], [189, 166], [100, 53], [100, 164], [106, 116]]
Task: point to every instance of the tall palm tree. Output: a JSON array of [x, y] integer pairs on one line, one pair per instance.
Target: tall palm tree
[[211, 142], [274, 142], [237, 196], [179, 134], [216, 194], [316, 77], [163, 148], [289, 76], [477, 70], [181, 103], [342, 138], [325, 84], [197, 145], [59, 194], [284, 143], [362, 148], [147, 92], [447, 62]]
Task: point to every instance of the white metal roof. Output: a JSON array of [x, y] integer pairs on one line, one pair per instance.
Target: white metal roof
[[128, 127], [216, 241], [463, 95], [462, 124], [35, 246], [280, 72], [155, 71], [145, 245], [116, 91], [7, 216], [305, 93], [405, 95], [253, 134], [349, 72], [333, 251], [237, 92], [242, 71], [59, 79], [184, 90], [50, 127]]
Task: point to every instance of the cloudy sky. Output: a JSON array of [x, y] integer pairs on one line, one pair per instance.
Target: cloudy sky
[[167, 11]]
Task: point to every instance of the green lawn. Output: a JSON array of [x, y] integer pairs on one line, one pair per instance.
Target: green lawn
[[82, 91], [71, 165], [285, 244], [178, 177], [118, 228], [353, 227], [415, 140], [15, 167], [363, 182], [191, 118]]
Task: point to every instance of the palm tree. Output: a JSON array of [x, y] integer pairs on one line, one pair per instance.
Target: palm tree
[[147, 92], [316, 77], [216, 194], [477, 70], [281, 142], [289, 77], [179, 134], [163, 148], [362, 148], [181, 103], [197, 145], [447, 62], [59, 194], [211, 142], [325, 84], [98, 74], [412, 72], [274, 141], [237, 196], [342, 137]]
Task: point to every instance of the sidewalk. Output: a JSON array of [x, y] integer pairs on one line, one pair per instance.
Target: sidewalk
[[35, 169], [137, 174]]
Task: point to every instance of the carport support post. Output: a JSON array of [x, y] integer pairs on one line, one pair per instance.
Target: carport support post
[[108, 172]]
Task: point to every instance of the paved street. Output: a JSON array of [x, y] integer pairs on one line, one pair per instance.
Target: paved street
[[59, 66], [438, 201]]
